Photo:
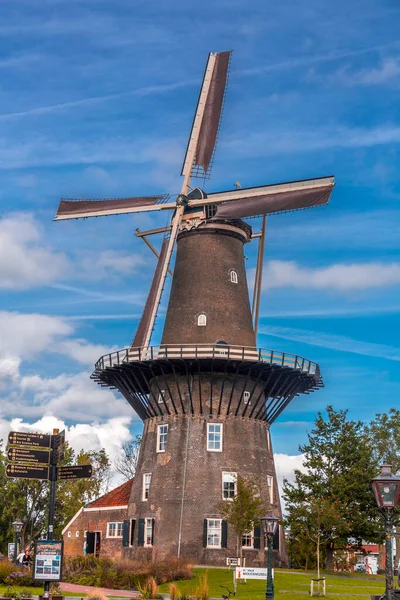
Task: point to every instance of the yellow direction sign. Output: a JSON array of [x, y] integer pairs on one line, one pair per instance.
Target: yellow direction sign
[[74, 472]]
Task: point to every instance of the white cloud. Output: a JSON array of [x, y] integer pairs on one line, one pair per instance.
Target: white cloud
[[339, 277], [9, 369], [25, 335], [388, 71], [109, 262], [24, 261], [333, 342], [285, 466], [82, 351]]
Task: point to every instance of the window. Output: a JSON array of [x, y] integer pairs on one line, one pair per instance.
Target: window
[[146, 485], [148, 532], [228, 485], [132, 532], [214, 437], [234, 276], [248, 540], [114, 529], [77, 534], [270, 484], [162, 434], [213, 533], [161, 396], [69, 534], [246, 397], [202, 320]]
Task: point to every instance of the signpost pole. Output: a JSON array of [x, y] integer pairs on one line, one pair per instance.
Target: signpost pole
[[52, 504]]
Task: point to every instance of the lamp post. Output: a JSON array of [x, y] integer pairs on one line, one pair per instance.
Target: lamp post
[[270, 525], [17, 526], [386, 489]]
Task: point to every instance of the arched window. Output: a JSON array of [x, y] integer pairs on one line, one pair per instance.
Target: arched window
[[202, 320], [234, 276]]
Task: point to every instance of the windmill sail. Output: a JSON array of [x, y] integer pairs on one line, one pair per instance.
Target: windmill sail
[[274, 203], [75, 209], [146, 319], [203, 135]]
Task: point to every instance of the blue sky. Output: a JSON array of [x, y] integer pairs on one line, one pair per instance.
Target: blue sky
[[97, 98]]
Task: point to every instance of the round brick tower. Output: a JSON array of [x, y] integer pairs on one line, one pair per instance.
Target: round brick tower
[[207, 397]]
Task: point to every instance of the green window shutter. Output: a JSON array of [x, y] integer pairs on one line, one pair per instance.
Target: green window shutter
[[140, 540], [224, 534], [257, 538], [205, 533], [125, 534]]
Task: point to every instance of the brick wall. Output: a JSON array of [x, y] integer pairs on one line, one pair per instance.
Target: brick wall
[[94, 520]]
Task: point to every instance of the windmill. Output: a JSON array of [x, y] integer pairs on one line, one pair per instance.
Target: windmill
[[207, 395]]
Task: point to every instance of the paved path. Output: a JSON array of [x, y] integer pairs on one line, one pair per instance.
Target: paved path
[[87, 589]]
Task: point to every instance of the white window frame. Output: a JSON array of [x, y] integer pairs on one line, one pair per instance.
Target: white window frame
[[249, 534], [219, 529], [234, 276], [246, 397], [77, 533], [146, 526], [69, 534], [234, 475], [208, 437], [270, 485], [159, 434], [119, 525], [202, 320], [161, 396], [146, 488]]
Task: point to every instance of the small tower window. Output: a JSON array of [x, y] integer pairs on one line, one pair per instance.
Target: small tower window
[[246, 397], [202, 320], [234, 276], [161, 396]]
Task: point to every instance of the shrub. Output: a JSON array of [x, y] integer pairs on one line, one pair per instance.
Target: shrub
[[202, 591], [6, 568], [149, 590], [96, 595], [17, 593], [122, 574], [21, 578], [173, 592]]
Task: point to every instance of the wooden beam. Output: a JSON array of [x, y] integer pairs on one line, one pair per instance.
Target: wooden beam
[[152, 231], [260, 273], [154, 251]]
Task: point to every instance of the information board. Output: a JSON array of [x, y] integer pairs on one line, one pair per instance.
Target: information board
[[48, 560], [249, 573]]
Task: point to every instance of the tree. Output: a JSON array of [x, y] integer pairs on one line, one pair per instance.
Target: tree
[[244, 510], [127, 459], [338, 465], [384, 434]]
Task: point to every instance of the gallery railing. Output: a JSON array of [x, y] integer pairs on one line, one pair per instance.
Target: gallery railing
[[205, 351]]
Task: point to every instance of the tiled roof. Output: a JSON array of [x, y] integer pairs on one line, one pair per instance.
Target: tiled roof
[[117, 497]]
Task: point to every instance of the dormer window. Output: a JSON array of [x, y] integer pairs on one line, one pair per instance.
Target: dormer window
[[202, 320], [234, 276]]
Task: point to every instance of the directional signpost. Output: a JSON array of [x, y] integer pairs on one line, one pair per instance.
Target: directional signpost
[[27, 472], [37, 456], [75, 472], [26, 455]]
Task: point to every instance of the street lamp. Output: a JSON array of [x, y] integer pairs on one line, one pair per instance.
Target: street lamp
[[270, 525], [386, 489], [17, 526]]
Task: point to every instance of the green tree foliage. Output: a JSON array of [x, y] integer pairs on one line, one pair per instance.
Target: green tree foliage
[[338, 465], [28, 499], [384, 433], [127, 459], [243, 512]]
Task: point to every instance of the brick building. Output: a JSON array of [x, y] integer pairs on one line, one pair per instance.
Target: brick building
[[207, 396], [97, 528]]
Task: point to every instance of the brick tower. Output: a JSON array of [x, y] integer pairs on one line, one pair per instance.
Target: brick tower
[[207, 394]]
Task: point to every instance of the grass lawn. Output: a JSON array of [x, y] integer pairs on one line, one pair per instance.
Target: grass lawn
[[37, 591], [287, 585]]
